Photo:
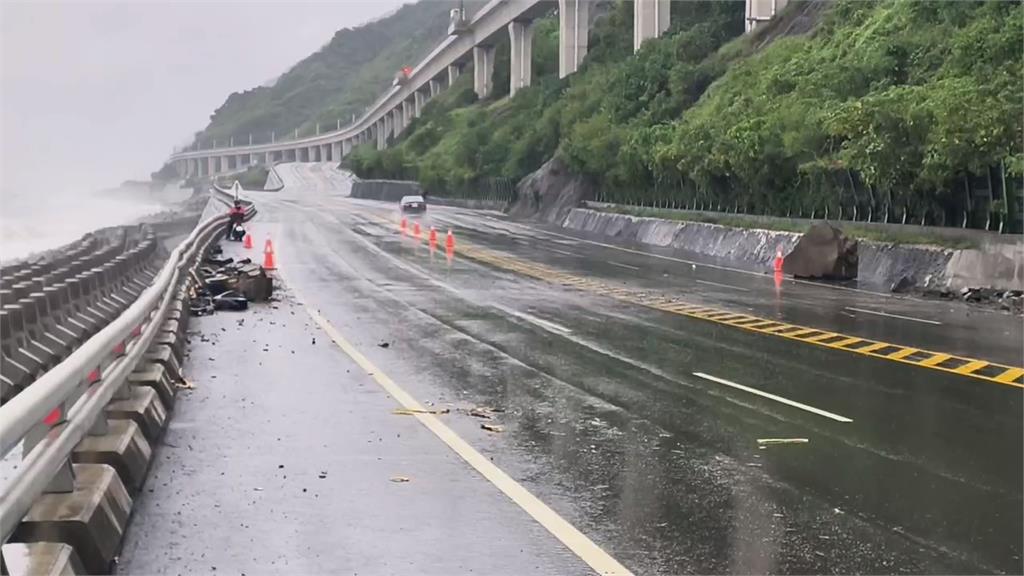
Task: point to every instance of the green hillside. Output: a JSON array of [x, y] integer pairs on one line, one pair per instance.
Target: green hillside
[[339, 80], [889, 108]]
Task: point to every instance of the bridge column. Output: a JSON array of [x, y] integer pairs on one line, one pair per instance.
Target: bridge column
[[269, 158], [650, 20], [325, 153], [521, 35], [190, 167], [223, 164], [483, 70], [396, 122], [336, 151], [407, 109], [453, 74], [760, 11], [381, 131], [573, 34], [435, 88], [346, 148], [419, 99]]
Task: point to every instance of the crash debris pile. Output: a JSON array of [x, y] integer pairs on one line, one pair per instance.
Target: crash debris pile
[[221, 283]]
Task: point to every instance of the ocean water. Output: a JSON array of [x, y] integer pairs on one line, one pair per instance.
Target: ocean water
[[32, 222]]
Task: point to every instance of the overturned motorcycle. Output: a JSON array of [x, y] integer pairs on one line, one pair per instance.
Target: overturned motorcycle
[[236, 232]]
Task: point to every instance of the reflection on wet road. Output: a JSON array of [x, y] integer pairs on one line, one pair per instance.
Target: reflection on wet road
[[676, 444]]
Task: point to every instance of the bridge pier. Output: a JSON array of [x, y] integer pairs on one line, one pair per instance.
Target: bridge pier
[[406, 114], [483, 70], [211, 165], [650, 20], [419, 100], [521, 36], [396, 122], [453, 74], [435, 88], [346, 148], [760, 11], [223, 164], [573, 34]]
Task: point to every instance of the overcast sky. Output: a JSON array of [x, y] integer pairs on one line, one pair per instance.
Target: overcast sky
[[92, 93]]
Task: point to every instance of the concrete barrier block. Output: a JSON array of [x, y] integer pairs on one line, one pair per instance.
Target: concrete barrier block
[[172, 326], [123, 447], [40, 559], [143, 407], [156, 377], [92, 519], [164, 356], [171, 339]]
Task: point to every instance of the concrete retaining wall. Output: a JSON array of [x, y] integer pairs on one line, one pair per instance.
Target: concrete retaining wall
[[469, 203], [993, 265], [387, 190], [749, 246]]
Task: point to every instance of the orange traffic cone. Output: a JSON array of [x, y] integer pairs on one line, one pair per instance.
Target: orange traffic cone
[[268, 256], [433, 238], [403, 225], [778, 259], [449, 241], [416, 230], [247, 244]]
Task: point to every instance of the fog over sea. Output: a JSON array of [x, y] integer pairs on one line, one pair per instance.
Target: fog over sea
[[36, 220]]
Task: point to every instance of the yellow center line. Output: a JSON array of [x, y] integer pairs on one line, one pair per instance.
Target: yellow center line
[[569, 535]]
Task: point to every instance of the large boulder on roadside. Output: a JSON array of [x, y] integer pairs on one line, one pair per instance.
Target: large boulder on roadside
[[549, 193], [823, 252]]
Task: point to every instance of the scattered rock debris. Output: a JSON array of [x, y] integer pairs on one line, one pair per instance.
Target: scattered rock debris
[[493, 428], [400, 479], [384, 344]]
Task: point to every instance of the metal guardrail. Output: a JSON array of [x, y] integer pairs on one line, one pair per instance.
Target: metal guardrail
[[115, 350]]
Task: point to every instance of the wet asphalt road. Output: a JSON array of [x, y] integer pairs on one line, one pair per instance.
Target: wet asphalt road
[[604, 418]]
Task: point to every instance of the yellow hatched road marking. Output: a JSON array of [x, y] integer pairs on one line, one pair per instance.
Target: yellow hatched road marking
[[800, 333], [937, 359], [970, 367], [902, 353], [1010, 375], [846, 342], [821, 337], [762, 324], [872, 348]]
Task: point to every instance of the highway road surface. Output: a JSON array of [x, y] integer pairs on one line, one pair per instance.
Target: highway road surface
[[543, 403]]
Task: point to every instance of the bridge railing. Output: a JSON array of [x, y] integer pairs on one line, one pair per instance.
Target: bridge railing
[[53, 414]]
